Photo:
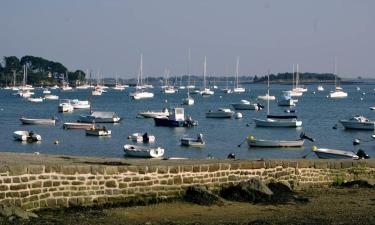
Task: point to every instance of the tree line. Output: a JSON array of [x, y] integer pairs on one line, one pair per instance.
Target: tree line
[[303, 77], [40, 71]]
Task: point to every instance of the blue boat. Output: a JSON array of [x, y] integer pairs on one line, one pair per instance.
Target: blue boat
[[175, 119]]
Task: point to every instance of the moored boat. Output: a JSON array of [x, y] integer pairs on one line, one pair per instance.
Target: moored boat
[[358, 123], [98, 131], [65, 106], [77, 125], [143, 152], [145, 138], [254, 142], [153, 114], [220, 113], [100, 117], [176, 119], [246, 105], [326, 153], [36, 100], [51, 97], [25, 120], [29, 136], [193, 142], [277, 122]]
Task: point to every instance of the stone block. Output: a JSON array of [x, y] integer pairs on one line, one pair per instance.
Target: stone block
[[24, 179], [47, 183], [305, 163], [7, 180], [78, 183], [95, 169], [258, 164], [151, 169], [18, 187], [177, 180], [162, 169], [174, 169], [196, 169], [15, 170], [142, 169], [4, 187], [111, 184], [247, 165], [68, 170], [133, 169], [56, 183], [111, 170], [44, 177], [35, 191], [224, 166], [16, 180], [187, 168], [13, 194], [187, 180], [62, 202], [204, 168], [321, 164], [214, 167], [35, 169]]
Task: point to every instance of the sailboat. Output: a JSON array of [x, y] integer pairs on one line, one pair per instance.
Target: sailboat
[[188, 100], [118, 87], [140, 93], [275, 122], [206, 91], [338, 92], [24, 90], [66, 86], [238, 89], [267, 97], [296, 90], [169, 89]]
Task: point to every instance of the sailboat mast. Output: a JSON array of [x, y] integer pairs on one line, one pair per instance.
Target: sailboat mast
[[204, 72], [189, 61], [293, 77], [268, 93], [237, 65], [335, 71], [297, 76]]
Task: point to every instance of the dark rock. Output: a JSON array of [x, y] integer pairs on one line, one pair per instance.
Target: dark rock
[[12, 212], [282, 191], [5, 211], [201, 195], [253, 190], [359, 184]]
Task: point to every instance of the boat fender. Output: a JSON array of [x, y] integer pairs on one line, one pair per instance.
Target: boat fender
[[362, 154], [314, 148], [356, 141], [56, 142], [251, 137]]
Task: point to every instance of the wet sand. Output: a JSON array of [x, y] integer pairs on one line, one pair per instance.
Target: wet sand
[[325, 206]]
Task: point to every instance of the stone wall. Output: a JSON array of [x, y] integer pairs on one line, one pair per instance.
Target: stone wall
[[50, 186]]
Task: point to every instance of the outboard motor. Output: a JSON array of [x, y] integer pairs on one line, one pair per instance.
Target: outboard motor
[[304, 136], [356, 141], [362, 154], [260, 106], [231, 156]]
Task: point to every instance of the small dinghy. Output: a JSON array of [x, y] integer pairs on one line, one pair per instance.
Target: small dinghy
[[220, 113], [51, 97], [254, 142], [100, 117], [143, 152], [77, 125], [145, 138], [326, 153], [98, 131], [193, 142], [25, 120], [247, 105], [358, 123], [65, 106], [35, 100], [29, 136]]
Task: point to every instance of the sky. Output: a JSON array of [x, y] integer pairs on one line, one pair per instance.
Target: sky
[[109, 36]]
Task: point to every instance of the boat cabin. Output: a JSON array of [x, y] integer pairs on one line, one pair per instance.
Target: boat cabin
[[178, 114]]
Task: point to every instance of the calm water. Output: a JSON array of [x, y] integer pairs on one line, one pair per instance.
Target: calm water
[[222, 136]]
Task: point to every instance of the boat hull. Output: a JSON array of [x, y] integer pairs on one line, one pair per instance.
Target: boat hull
[[277, 123], [241, 106], [165, 122], [323, 153], [137, 151], [38, 121], [275, 143], [358, 125], [77, 125], [191, 142]]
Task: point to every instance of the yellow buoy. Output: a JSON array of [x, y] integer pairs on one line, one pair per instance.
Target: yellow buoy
[[251, 137], [129, 137], [314, 148]]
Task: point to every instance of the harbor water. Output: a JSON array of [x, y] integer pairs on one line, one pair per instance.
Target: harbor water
[[318, 113]]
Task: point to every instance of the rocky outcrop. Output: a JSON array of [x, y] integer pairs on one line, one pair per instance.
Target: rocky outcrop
[[10, 213], [201, 195]]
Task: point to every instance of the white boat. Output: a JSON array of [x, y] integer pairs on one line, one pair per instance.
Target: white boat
[[46, 91], [254, 142], [98, 131], [77, 104], [338, 92], [266, 97], [29, 136], [77, 125], [65, 106], [51, 97], [297, 90], [169, 90], [320, 88], [286, 99], [97, 92], [54, 87], [35, 99], [220, 113], [358, 123], [277, 123], [140, 93], [83, 87], [227, 90], [66, 88], [153, 114], [145, 138], [238, 89], [100, 117], [358, 88], [193, 142], [205, 91], [188, 100], [246, 105], [119, 87], [143, 152], [326, 153], [25, 120], [25, 93]]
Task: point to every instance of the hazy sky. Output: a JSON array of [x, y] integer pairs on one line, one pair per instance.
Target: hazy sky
[[110, 35]]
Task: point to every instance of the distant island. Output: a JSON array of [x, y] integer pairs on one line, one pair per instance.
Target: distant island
[[303, 78], [40, 71]]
